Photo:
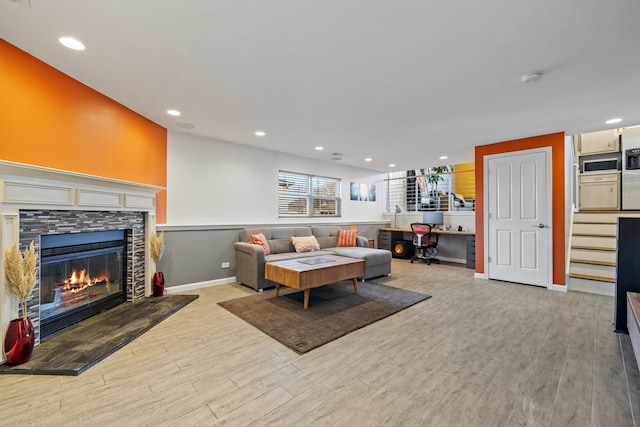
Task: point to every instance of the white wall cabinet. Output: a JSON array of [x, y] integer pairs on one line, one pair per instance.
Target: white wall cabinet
[[599, 191], [605, 141]]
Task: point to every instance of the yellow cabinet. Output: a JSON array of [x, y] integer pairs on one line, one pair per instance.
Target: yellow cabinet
[[599, 191], [605, 141]]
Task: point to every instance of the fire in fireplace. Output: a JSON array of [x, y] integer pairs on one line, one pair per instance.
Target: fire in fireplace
[[81, 274]]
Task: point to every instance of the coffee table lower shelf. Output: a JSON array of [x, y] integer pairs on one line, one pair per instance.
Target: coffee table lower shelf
[[304, 274]]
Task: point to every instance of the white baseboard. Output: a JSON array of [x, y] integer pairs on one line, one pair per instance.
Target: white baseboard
[[198, 285], [554, 287]]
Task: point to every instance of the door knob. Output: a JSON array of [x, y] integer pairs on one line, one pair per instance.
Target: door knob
[[539, 226]]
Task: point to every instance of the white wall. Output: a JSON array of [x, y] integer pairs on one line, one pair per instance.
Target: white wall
[[216, 182]]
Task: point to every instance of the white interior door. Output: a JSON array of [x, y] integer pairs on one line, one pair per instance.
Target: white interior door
[[518, 212]]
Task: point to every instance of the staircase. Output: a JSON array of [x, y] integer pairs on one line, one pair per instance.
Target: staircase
[[592, 255]]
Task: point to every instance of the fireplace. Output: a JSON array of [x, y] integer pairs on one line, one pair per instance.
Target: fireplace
[[81, 274], [38, 203]]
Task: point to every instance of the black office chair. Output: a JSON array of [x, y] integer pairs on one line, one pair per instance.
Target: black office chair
[[425, 242]]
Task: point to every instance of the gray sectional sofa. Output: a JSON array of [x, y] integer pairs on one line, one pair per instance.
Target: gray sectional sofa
[[250, 258]]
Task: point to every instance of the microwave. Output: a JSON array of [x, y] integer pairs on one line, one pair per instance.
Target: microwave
[[600, 165]]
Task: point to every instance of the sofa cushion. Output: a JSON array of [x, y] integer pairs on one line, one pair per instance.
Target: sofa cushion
[[305, 243], [281, 239], [327, 235], [369, 255]]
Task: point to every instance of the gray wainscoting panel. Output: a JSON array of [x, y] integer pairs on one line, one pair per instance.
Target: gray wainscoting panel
[[192, 256]]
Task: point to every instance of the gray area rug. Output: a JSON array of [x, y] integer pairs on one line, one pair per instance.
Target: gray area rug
[[334, 311], [79, 347]]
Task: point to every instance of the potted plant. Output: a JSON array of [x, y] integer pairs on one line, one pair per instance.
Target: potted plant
[[156, 247], [20, 274], [436, 176]]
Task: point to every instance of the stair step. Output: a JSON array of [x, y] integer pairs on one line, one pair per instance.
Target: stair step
[[592, 222], [593, 262], [590, 277], [591, 286], [594, 270], [595, 248], [594, 228], [595, 234], [593, 255], [599, 212]]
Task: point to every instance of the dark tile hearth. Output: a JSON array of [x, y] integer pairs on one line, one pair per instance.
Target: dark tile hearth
[[79, 347]]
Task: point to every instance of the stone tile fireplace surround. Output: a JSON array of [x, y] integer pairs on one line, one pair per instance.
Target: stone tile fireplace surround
[[35, 223], [37, 201]]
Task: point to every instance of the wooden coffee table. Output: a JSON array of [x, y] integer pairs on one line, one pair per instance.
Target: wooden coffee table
[[307, 273]]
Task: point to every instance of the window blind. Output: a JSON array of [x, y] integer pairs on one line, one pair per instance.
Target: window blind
[[307, 195]]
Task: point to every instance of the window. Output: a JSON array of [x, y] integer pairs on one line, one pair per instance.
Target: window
[[307, 195]]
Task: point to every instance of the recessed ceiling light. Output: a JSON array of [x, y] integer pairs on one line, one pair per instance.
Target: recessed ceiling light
[[71, 43], [319, 148], [368, 159], [531, 77], [444, 157], [260, 133], [172, 112], [612, 121], [392, 165]]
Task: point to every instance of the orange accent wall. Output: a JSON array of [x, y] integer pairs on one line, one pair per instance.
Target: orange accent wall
[[49, 119], [556, 142]]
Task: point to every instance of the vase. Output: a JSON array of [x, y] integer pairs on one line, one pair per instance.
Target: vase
[[18, 343], [158, 284]]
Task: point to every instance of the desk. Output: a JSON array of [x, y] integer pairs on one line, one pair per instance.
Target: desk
[[451, 245]]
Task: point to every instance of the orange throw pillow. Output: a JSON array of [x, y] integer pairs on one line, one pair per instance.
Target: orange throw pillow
[[347, 237], [260, 239]]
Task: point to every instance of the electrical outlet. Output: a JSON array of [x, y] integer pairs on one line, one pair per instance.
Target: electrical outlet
[[225, 265]]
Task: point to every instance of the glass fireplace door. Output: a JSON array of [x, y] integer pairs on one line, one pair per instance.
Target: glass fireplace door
[[80, 275]]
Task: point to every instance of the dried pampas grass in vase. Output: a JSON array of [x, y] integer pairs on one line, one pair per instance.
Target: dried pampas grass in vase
[[156, 245], [20, 272]]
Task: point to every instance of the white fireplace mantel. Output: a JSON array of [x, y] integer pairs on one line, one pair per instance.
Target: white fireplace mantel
[[25, 186], [34, 187]]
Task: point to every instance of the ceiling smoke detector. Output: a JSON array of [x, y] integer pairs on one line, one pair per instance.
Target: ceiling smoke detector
[[531, 77]]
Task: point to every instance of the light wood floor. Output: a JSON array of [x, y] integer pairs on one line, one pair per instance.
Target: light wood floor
[[479, 353]]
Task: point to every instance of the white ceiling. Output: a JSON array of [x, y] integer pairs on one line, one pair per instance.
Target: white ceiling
[[400, 81]]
